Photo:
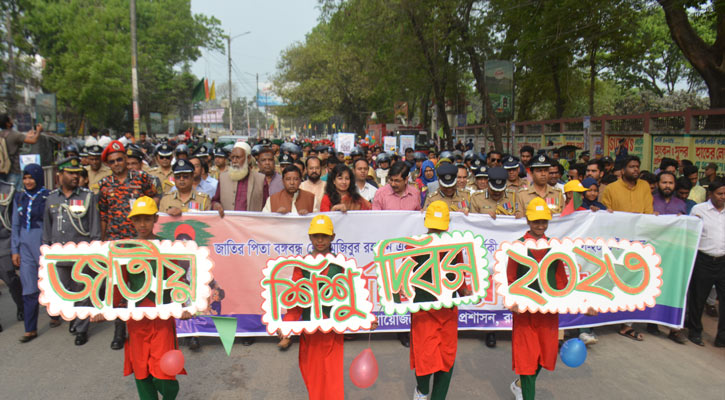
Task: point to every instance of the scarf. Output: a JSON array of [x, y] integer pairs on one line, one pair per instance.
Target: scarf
[[31, 203], [427, 164]]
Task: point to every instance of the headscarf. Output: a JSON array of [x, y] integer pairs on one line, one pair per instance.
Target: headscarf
[[428, 164], [31, 203]]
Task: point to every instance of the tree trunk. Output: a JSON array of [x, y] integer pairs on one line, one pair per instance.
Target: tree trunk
[[480, 76], [437, 75], [560, 102], [707, 60], [424, 116]]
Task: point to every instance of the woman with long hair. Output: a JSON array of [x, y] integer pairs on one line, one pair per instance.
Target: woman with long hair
[[341, 193], [27, 232]]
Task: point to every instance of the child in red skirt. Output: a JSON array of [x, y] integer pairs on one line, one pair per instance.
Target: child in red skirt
[[434, 333], [535, 336]]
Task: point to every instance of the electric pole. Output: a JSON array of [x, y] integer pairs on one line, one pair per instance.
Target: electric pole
[[134, 72], [11, 63], [229, 64]]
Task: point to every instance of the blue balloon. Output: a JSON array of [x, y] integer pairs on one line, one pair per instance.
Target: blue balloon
[[573, 353]]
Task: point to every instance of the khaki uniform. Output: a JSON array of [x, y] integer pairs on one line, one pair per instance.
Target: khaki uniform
[[516, 186], [554, 198], [165, 178], [197, 202], [214, 172], [459, 201], [95, 176], [482, 203]]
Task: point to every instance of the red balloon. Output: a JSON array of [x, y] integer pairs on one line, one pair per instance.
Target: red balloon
[[172, 362], [364, 369]]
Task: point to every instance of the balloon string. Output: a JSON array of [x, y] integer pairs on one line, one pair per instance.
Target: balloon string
[[370, 335]]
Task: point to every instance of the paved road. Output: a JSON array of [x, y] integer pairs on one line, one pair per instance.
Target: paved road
[[52, 367]]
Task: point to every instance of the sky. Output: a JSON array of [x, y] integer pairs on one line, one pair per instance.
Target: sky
[[274, 25]]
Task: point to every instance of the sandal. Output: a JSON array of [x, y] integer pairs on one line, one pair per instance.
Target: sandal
[[632, 334], [284, 344]]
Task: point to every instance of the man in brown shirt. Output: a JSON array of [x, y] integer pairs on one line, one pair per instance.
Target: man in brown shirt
[[96, 169], [184, 198], [540, 188], [291, 199], [163, 171], [14, 141], [457, 200], [515, 183]]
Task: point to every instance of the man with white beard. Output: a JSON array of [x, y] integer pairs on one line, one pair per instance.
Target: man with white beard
[[239, 189]]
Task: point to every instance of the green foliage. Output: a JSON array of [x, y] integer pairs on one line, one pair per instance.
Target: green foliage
[[87, 49], [571, 57]]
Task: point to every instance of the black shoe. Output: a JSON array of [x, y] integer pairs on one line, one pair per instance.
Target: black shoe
[[1, 328], [653, 329], [248, 341], [194, 344], [404, 338], [719, 343], [697, 340], [491, 339], [71, 328], [82, 338], [20, 316], [117, 343]]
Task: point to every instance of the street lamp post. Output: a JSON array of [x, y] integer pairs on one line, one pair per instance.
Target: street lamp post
[[229, 61]]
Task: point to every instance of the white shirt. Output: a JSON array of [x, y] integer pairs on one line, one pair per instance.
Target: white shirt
[[367, 192], [712, 241], [382, 175], [91, 141]]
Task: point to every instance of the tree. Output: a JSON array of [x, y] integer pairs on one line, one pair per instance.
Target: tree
[[708, 58], [86, 47]]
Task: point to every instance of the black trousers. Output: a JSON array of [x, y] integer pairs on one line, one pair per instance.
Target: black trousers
[[708, 271], [11, 278]]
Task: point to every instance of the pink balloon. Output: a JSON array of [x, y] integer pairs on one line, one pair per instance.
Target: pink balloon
[[364, 369], [172, 362]]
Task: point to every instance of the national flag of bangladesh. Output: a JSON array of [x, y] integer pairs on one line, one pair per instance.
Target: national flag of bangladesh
[[573, 205]]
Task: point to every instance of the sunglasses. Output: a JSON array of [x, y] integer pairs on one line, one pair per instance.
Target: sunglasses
[[165, 157], [495, 160], [115, 161]]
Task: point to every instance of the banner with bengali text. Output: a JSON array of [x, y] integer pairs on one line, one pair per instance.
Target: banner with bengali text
[[241, 243]]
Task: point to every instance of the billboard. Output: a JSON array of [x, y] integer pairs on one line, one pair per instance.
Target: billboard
[[45, 111], [500, 84]]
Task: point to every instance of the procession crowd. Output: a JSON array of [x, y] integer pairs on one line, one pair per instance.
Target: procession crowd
[[100, 184]]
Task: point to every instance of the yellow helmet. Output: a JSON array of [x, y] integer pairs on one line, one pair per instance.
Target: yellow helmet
[[574, 186], [143, 206], [537, 209], [437, 216], [321, 224]]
